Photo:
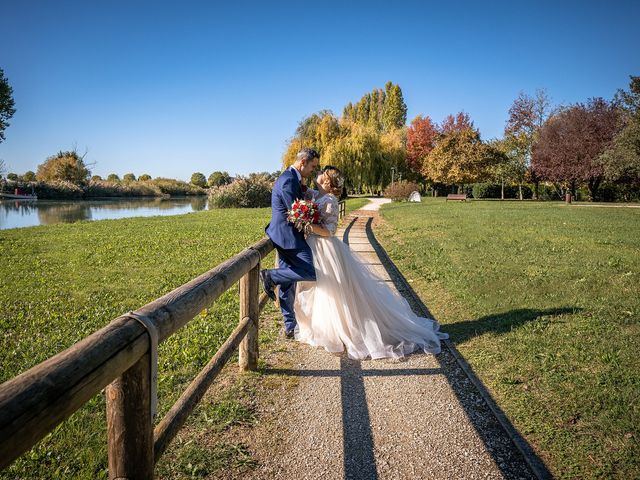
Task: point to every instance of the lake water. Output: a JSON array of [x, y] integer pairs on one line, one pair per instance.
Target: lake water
[[23, 213]]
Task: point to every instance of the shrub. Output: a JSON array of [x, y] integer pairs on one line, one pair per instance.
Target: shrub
[[129, 177], [400, 191], [244, 192], [57, 189], [548, 192], [486, 190], [494, 190], [131, 189], [170, 186]]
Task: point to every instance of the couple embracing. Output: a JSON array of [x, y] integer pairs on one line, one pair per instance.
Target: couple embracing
[[328, 297]]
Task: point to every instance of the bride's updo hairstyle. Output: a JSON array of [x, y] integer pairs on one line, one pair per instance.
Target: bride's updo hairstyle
[[336, 178]]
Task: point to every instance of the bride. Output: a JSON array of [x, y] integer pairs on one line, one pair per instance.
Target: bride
[[349, 306]]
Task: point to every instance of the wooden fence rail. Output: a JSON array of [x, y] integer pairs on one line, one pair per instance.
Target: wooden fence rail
[[121, 357]]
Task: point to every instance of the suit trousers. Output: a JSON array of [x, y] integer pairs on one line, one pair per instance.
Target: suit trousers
[[295, 265]]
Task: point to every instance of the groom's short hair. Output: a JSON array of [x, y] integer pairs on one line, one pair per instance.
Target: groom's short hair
[[307, 154]]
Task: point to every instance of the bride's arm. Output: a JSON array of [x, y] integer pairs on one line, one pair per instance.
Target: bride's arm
[[329, 222], [318, 230]]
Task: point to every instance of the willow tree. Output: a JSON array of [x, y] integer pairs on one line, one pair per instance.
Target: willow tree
[[365, 143]]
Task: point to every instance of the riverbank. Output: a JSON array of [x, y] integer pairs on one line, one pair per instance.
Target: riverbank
[[94, 189]]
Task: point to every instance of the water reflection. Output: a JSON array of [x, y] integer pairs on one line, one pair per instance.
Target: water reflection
[[21, 213], [198, 203]]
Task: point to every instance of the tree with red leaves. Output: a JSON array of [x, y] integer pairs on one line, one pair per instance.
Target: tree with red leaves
[[462, 121], [421, 138], [571, 141]]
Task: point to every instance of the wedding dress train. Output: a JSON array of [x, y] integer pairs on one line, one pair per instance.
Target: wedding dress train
[[350, 307]]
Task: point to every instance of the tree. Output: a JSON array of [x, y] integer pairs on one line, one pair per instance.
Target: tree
[[129, 177], [289, 157], [145, 177], [6, 104], [217, 179], [395, 110], [113, 177], [317, 130], [458, 158], [571, 142], [12, 176], [65, 166], [360, 143], [527, 114], [29, 176], [508, 165], [621, 161], [349, 112], [421, 138], [515, 148], [462, 121], [96, 178], [199, 180]]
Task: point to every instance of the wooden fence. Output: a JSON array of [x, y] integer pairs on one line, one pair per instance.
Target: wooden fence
[[123, 358]]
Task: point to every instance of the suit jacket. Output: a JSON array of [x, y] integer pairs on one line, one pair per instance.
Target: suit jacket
[[286, 190]]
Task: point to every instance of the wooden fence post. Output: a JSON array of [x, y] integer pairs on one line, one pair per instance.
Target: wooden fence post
[[249, 288], [129, 427]]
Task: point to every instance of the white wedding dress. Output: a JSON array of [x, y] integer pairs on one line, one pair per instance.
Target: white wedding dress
[[350, 307]]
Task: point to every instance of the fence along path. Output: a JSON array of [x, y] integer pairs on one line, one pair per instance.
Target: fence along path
[[122, 357]]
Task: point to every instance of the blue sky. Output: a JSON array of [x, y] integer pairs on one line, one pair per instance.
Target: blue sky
[[170, 88]]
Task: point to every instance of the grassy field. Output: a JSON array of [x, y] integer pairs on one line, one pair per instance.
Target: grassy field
[[543, 300], [355, 203], [62, 282]]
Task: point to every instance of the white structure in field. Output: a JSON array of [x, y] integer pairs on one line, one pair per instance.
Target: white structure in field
[[415, 197]]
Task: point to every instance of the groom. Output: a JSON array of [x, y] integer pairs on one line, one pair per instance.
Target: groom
[[295, 259]]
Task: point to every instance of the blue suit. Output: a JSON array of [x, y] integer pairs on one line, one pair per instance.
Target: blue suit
[[296, 260]]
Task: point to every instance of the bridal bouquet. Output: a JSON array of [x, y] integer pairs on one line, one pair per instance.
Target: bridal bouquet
[[302, 213]]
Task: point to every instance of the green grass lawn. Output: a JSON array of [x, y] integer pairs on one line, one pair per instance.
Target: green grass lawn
[[543, 300], [355, 203]]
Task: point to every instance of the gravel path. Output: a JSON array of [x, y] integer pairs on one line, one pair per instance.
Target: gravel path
[[417, 418]]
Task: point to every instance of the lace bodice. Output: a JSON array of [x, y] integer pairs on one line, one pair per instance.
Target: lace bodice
[[328, 205]]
